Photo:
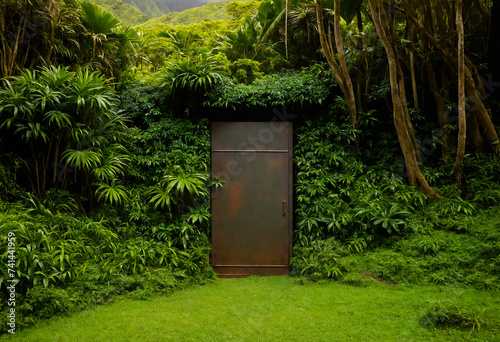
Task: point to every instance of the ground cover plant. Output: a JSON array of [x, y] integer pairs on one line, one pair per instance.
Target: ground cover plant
[[282, 308]]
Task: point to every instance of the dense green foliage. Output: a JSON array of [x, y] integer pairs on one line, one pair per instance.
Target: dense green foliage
[[65, 121], [287, 88], [66, 262], [348, 204], [150, 232], [46, 33], [105, 152]]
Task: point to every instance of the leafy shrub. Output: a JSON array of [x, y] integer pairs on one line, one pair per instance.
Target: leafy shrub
[[452, 314], [319, 260], [485, 193], [69, 259], [66, 263], [340, 195], [45, 301], [169, 197], [143, 103], [65, 121], [245, 71]]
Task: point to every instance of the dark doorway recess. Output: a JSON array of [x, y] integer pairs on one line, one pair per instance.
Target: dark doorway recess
[[252, 211]]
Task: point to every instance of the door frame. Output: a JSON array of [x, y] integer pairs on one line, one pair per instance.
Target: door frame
[[267, 128]]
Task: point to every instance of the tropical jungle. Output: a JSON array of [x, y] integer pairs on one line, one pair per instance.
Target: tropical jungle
[[105, 152]]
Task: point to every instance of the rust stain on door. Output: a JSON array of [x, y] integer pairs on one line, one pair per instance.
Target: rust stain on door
[[251, 213], [236, 195]]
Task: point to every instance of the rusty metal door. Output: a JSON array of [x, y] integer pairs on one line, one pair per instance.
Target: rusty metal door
[[251, 212]]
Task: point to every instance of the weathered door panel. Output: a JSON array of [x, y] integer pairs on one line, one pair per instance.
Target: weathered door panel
[[250, 228], [251, 221], [251, 136]]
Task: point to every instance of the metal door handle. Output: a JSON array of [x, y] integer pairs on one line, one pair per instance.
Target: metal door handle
[[284, 206]]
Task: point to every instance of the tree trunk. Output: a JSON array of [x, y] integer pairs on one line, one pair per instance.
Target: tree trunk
[[350, 98], [480, 111], [340, 71], [473, 132], [404, 131], [441, 98], [402, 96], [14, 50], [3, 55], [440, 93], [286, 29], [462, 125], [361, 43], [412, 71], [326, 48], [470, 88]]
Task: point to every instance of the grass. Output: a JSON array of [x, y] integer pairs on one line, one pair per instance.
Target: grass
[[277, 309]]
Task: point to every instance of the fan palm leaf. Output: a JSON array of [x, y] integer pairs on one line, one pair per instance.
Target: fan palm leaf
[[113, 193], [97, 20], [82, 159]]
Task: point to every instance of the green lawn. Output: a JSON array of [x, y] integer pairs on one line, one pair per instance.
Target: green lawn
[[276, 309]]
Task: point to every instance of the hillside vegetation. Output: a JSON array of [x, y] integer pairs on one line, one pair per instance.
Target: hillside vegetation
[[149, 7], [152, 12], [181, 5], [127, 13]]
